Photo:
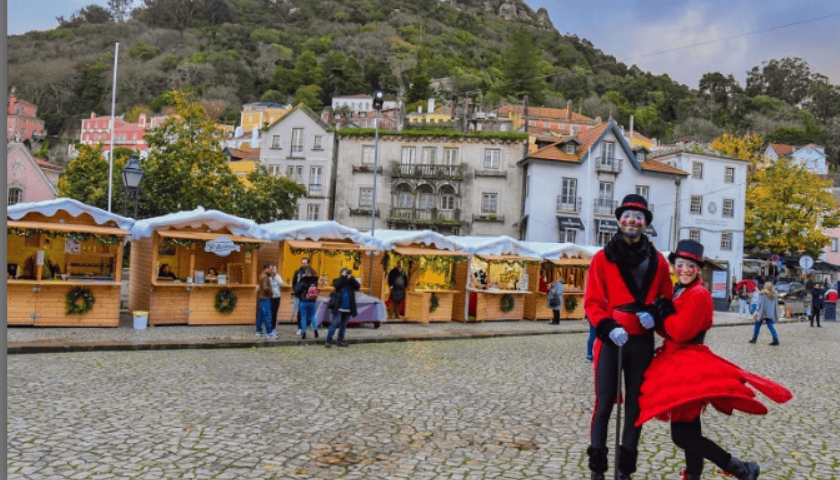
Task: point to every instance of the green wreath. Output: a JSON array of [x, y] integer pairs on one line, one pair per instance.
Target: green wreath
[[571, 304], [78, 301], [225, 301], [435, 303], [508, 302]]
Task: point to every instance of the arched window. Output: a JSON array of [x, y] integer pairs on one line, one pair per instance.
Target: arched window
[[15, 195]]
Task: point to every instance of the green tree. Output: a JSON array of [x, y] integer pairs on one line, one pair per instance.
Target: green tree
[[86, 178], [746, 148], [787, 209], [523, 72], [309, 95], [307, 70], [788, 79], [269, 198]]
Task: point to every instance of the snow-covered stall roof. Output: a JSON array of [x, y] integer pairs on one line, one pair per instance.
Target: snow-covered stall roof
[[388, 239], [212, 219], [554, 251], [496, 246], [74, 208], [315, 231]]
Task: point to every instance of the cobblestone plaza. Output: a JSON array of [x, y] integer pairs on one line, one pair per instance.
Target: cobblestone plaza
[[501, 408]]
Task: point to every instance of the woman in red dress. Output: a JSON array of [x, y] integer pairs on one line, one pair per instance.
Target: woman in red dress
[[685, 376]]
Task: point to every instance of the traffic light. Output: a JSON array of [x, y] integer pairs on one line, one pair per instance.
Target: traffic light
[[378, 99]]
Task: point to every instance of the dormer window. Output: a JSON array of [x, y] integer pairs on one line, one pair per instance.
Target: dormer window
[[569, 148], [641, 156]]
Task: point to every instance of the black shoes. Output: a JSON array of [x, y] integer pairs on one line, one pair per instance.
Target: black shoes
[[316, 333], [328, 344], [775, 341], [753, 340], [743, 470], [342, 343], [303, 336]]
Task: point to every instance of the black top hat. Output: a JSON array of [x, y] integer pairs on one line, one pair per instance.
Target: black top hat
[[634, 202], [688, 249]]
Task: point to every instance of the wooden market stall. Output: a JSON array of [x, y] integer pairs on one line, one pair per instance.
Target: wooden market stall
[[429, 259], [192, 244], [328, 245], [494, 280], [567, 261], [64, 261]]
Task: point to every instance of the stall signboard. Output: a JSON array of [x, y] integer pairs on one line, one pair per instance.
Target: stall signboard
[[719, 284], [221, 246]]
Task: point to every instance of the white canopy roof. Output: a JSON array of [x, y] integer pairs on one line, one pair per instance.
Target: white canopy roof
[[310, 230], [553, 251], [212, 219], [72, 207], [388, 239], [503, 245]]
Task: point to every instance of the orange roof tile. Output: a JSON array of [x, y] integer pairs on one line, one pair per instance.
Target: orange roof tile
[[781, 149], [46, 164], [546, 113], [654, 166], [554, 152], [589, 137], [245, 153]]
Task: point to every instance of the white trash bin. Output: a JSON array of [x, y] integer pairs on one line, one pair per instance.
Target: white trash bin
[[140, 319]]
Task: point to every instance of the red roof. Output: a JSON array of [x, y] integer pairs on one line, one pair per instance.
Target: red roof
[[547, 113], [244, 153], [655, 166], [46, 164], [781, 149]]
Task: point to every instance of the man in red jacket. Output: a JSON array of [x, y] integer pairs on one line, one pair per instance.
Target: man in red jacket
[[628, 292]]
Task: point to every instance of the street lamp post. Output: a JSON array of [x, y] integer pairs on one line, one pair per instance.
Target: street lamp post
[[378, 101], [132, 175]]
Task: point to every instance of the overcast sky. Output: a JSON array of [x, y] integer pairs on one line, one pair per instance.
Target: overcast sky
[[634, 31]]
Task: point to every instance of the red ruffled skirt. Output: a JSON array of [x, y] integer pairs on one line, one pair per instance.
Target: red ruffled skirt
[[683, 379]]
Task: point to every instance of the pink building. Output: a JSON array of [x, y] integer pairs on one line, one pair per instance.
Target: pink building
[[21, 120], [126, 134], [29, 179]]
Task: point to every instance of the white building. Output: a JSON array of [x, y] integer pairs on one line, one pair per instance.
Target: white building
[[360, 103], [460, 185], [573, 186], [712, 203], [299, 146], [811, 156]]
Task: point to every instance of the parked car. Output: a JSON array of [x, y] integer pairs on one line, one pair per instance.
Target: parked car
[[791, 291]]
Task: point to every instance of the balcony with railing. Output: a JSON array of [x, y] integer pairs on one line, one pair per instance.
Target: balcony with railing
[[608, 164], [424, 216], [567, 204], [604, 206], [427, 171], [316, 190]]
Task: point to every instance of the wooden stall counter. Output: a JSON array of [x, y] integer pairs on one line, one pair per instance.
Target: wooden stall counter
[[194, 304], [489, 304], [43, 303], [426, 306]]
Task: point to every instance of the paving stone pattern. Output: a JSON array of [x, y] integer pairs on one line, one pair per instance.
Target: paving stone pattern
[[496, 408]]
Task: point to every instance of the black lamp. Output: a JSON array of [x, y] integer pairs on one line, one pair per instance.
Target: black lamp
[[132, 175], [378, 99]]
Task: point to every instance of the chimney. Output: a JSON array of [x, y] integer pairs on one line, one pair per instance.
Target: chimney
[[431, 105], [568, 109], [631, 131]]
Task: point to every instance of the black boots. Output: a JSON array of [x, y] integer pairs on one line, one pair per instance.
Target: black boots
[[597, 462], [753, 340], [690, 476], [626, 462], [742, 470], [775, 341]]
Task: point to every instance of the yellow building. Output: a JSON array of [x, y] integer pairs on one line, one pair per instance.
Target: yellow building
[[261, 114], [243, 161]]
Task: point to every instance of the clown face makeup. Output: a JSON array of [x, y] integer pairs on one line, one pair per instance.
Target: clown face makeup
[[632, 223], [686, 270]]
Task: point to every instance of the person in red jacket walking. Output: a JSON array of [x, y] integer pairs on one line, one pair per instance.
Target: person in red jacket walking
[[629, 288], [685, 376]]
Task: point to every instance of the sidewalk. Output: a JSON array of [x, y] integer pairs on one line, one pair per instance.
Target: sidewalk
[[125, 337]]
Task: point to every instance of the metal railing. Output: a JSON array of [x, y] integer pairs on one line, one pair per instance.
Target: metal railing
[[417, 170], [423, 215], [568, 204], [608, 164], [315, 189], [604, 206]]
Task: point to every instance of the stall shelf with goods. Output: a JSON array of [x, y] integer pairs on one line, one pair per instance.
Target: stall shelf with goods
[[191, 243], [568, 261], [429, 259], [329, 246], [494, 280], [64, 262]]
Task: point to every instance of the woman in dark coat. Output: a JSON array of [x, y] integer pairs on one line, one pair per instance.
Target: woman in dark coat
[[342, 305]]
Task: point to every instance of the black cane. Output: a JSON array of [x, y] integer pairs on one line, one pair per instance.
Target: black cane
[[618, 416]]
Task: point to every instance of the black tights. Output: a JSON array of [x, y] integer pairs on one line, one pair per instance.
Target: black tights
[[636, 355], [689, 437]]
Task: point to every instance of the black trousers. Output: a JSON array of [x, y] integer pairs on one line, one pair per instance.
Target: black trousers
[[636, 356], [556, 316], [275, 304], [815, 313], [689, 437]]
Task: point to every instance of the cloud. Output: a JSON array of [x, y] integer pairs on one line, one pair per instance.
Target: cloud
[[657, 46]]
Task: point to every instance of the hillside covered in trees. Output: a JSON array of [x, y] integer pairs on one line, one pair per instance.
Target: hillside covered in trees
[[231, 52]]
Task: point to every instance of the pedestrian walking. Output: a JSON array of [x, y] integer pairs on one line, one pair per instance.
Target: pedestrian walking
[[276, 284], [767, 312], [264, 304], [627, 291], [685, 377], [554, 300], [817, 298], [299, 273], [743, 300], [342, 305], [307, 293], [397, 282]]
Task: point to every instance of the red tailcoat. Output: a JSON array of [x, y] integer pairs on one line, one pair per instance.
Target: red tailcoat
[[684, 377], [606, 290]]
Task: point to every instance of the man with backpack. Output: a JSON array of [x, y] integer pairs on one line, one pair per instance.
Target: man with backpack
[[304, 265], [306, 291], [342, 305]]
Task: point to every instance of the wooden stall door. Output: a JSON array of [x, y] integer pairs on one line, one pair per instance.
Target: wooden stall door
[[169, 306], [459, 298], [20, 304]]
